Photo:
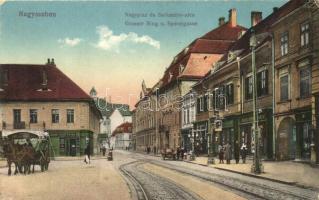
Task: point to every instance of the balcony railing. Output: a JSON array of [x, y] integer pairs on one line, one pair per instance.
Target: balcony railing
[[19, 125]]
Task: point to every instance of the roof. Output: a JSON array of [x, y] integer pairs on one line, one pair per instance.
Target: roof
[[263, 27], [125, 127], [215, 42], [25, 82], [107, 108]]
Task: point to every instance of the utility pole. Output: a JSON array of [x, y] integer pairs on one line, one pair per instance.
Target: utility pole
[[256, 167]]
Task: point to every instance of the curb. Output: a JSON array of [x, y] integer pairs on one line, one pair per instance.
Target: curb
[[292, 183], [246, 174], [260, 177]]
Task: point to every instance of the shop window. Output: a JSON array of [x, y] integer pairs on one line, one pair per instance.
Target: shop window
[[304, 34], [262, 83], [284, 44], [33, 116]]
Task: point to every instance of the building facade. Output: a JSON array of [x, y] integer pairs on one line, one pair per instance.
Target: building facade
[[42, 98], [294, 56]]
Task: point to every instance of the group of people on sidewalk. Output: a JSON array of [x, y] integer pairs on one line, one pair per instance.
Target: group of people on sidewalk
[[225, 152]]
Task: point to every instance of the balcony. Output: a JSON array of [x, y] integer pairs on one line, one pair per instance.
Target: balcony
[[19, 125]]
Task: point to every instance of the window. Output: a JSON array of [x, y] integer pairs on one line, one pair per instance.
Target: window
[[33, 116], [201, 104], [230, 93], [284, 84], [16, 115], [249, 87], [221, 97], [304, 34], [55, 116], [284, 43], [262, 83], [70, 116], [305, 78]]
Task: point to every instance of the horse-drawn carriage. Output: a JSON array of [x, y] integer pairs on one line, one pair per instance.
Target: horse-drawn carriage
[[25, 149]]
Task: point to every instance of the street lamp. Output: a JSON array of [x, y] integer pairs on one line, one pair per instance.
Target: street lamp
[[256, 166]]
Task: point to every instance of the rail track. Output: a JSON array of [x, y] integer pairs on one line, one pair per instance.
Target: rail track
[[248, 189], [150, 186]]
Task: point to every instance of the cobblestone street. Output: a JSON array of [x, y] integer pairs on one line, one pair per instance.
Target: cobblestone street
[[137, 176]]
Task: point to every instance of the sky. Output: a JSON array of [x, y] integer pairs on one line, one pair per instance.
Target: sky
[[112, 46]]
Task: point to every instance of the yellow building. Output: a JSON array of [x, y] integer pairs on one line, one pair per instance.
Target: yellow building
[[42, 98]]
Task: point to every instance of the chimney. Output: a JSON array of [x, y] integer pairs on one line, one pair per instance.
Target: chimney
[[232, 17], [256, 17], [52, 61], [275, 9], [221, 21], [48, 61]]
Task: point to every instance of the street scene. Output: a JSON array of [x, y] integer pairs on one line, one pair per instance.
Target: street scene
[[140, 176], [159, 100]]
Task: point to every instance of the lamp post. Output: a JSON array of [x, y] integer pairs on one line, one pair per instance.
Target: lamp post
[[256, 166], [192, 139]]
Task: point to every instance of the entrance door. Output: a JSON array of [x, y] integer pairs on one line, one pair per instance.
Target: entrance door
[[72, 147], [287, 139]]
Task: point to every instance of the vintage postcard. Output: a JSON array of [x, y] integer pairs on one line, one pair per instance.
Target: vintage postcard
[[156, 100]]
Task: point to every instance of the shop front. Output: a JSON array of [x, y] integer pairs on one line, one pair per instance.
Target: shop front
[[229, 133], [70, 143], [304, 135], [200, 137], [186, 139], [265, 126]]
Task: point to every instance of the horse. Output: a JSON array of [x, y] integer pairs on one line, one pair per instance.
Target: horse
[[10, 151]]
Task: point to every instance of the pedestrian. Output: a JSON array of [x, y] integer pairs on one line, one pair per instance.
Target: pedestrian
[[236, 151], [182, 153], [87, 152], [148, 150], [221, 153], [228, 153], [243, 151], [178, 151], [103, 150]]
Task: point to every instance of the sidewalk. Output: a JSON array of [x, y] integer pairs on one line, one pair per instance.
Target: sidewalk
[[288, 172]]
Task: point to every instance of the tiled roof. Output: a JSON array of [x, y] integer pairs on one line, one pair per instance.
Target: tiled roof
[[125, 127], [25, 83], [215, 42], [224, 32], [263, 27]]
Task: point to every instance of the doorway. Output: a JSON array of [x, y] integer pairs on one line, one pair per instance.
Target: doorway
[[72, 147]]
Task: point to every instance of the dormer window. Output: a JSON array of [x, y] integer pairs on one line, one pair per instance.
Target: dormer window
[[44, 78]]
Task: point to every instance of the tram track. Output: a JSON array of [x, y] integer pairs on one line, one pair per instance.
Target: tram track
[[137, 187], [247, 189], [148, 185]]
